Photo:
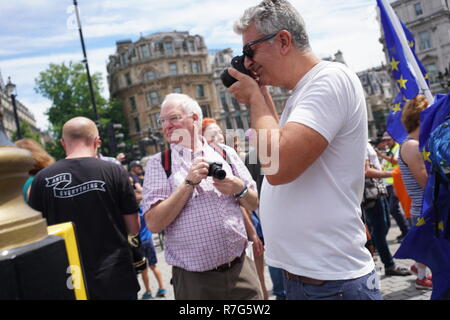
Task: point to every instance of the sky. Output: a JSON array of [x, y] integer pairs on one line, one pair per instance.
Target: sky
[[35, 33]]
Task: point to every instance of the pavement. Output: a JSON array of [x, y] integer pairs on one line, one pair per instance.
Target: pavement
[[392, 288]]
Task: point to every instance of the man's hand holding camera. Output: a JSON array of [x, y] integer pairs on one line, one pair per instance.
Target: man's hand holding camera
[[245, 89], [197, 172]]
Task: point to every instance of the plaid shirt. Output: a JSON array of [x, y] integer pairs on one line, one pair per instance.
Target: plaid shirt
[[209, 231]]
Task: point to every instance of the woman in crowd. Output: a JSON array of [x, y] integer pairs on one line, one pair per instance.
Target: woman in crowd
[[41, 160], [414, 173]]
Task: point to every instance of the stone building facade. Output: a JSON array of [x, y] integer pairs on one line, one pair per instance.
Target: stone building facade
[[142, 73], [379, 91], [7, 113], [232, 115]]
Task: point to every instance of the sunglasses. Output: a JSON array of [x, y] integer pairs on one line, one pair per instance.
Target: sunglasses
[[248, 51]]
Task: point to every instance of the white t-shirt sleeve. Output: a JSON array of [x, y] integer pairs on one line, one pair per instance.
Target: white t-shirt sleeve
[[323, 104]]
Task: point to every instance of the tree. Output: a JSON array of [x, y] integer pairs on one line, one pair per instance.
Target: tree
[[26, 133], [67, 88]]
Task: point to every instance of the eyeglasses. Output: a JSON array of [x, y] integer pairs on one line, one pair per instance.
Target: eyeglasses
[[172, 119], [248, 51]]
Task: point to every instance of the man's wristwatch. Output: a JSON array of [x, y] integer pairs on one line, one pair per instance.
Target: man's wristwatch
[[243, 193], [189, 182]]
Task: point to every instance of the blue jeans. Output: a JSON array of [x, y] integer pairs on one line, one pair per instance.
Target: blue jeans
[[276, 274], [363, 288], [377, 219]]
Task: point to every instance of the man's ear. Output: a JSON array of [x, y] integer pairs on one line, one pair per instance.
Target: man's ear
[[285, 41], [98, 142], [63, 143]]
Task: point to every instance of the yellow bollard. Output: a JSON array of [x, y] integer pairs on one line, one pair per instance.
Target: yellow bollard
[[67, 232]]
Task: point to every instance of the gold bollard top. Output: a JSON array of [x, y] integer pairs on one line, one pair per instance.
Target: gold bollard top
[[19, 223]]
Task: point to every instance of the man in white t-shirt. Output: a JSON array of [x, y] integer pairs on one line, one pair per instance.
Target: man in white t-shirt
[[310, 208]]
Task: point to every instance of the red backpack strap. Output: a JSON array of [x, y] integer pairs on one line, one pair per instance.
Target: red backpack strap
[[166, 161], [219, 150]]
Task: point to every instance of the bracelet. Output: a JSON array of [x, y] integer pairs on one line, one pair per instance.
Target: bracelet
[[189, 182], [243, 193]]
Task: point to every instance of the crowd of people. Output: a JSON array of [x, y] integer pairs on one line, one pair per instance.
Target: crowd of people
[[307, 221]]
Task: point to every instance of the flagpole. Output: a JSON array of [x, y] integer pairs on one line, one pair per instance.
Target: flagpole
[[408, 51]]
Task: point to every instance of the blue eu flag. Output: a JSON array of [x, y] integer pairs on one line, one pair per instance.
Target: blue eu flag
[[427, 241], [401, 71]]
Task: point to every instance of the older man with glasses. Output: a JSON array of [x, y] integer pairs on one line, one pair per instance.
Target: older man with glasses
[[318, 236], [205, 231]]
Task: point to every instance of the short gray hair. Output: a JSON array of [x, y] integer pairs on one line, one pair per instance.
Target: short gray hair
[[271, 16], [189, 105]]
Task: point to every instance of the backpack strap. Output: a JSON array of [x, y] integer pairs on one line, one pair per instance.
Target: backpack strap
[[166, 161], [219, 150], [166, 157]]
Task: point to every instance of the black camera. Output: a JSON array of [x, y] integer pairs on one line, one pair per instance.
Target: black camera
[[215, 170], [237, 63]]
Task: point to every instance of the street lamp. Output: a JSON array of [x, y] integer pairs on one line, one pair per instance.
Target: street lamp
[[11, 91]]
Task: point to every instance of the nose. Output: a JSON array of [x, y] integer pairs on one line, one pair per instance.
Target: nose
[[167, 125], [247, 62]]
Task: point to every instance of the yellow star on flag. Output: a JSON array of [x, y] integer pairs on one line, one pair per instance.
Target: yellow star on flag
[[411, 43], [441, 226], [406, 100], [394, 64], [420, 222], [396, 108], [426, 155], [402, 82], [427, 76]]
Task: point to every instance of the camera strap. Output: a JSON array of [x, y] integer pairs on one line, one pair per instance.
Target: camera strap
[[166, 157]]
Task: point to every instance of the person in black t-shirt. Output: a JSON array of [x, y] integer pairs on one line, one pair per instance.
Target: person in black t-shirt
[[97, 197]]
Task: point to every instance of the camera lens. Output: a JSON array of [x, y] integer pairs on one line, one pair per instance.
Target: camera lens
[[216, 171], [237, 63], [219, 174]]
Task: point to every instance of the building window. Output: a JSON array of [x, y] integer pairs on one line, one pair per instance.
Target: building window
[[137, 125], [200, 91], [418, 9], [152, 98], [206, 111], [236, 104], [133, 104], [223, 100], [185, 47], [425, 40], [154, 120], [173, 68], [196, 67], [128, 79], [168, 48], [150, 75], [145, 51], [123, 58], [432, 72], [177, 90], [191, 46], [239, 123]]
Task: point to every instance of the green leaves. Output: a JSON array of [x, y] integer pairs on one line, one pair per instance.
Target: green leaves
[[66, 86]]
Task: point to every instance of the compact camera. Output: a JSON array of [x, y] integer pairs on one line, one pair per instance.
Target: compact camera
[[215, 170], [237, 63]]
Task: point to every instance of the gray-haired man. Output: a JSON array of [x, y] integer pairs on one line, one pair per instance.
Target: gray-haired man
[[318, 237]]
